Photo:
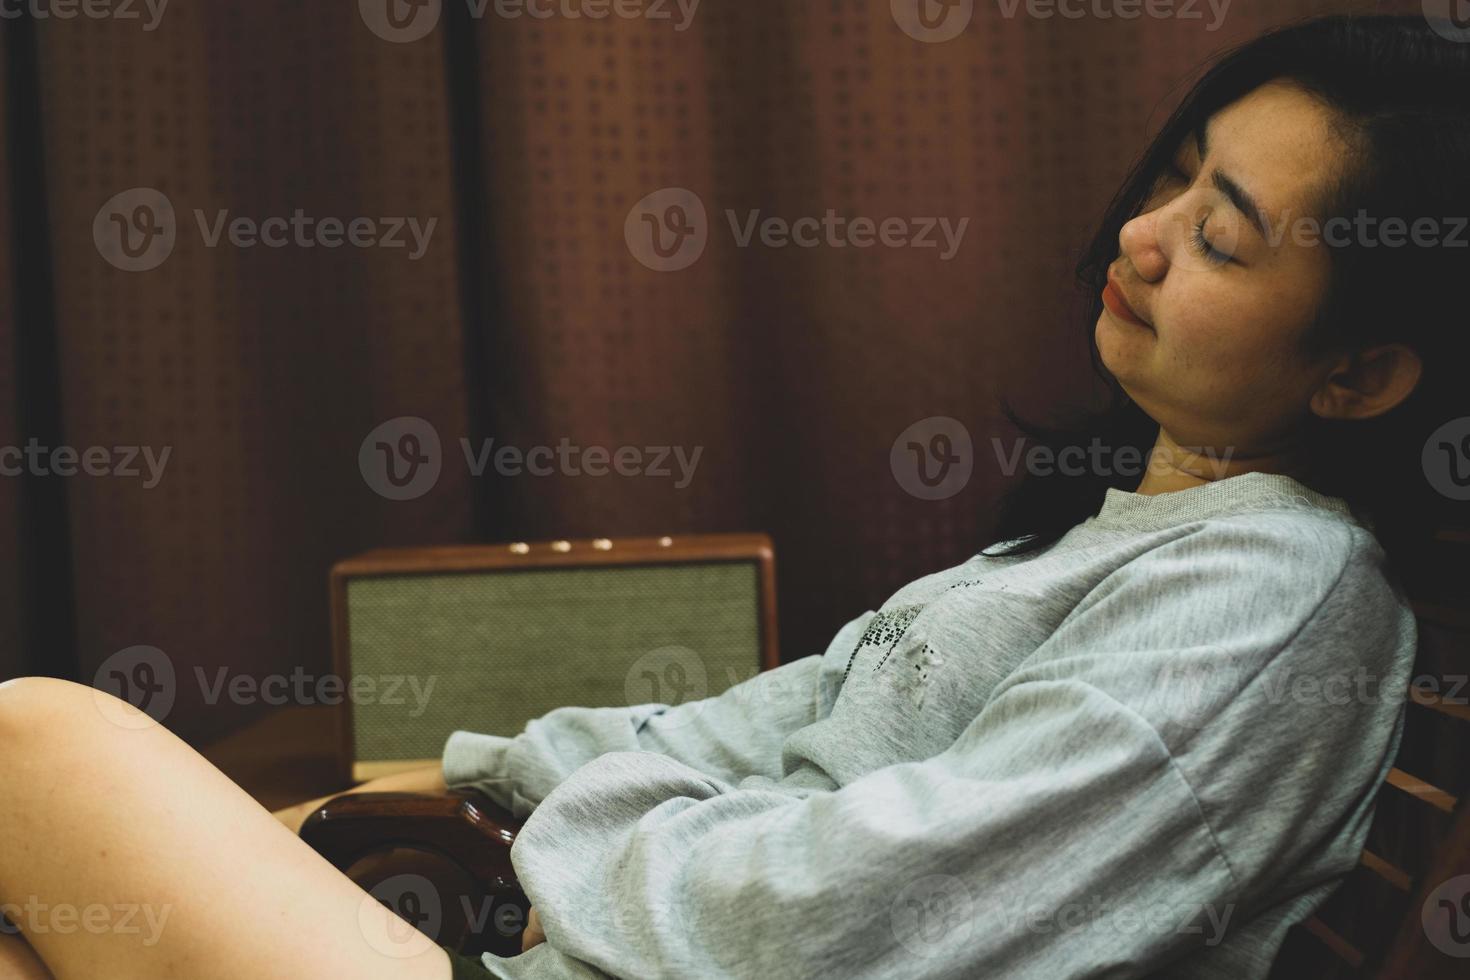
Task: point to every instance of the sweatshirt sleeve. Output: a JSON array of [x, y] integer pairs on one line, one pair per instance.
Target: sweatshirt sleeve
[[730, 736], [1062, 834]]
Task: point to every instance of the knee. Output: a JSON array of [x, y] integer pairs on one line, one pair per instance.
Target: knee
[[34, 706], [20, 702]]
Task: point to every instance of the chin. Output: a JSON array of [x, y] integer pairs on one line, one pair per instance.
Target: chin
[[1112, 346], [1123, 348]]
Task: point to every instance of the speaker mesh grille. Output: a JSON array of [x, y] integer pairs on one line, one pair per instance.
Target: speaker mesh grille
[[490, 651]]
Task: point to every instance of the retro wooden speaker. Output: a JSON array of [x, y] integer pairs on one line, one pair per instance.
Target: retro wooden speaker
[[489, 637]]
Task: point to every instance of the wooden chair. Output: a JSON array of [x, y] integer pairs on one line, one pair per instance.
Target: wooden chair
[[444, 860], [1376, 923]]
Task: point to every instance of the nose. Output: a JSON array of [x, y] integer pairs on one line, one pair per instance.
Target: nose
[[1141, 242]]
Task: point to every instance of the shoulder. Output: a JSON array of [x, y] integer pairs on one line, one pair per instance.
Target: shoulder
[[1233, 598], [1284, 558], [1305, 533]]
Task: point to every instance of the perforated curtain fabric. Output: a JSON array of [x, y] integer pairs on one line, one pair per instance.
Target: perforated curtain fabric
[[528, 318]]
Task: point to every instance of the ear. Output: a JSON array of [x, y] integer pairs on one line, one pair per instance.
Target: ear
[[1368, 382]]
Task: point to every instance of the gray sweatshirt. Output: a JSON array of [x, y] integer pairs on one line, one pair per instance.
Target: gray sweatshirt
[[1143, 751]]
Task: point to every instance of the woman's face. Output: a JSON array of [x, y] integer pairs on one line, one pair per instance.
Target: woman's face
[[1219, 365]]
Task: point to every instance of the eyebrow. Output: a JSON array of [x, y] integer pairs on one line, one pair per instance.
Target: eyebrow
[[1238, 196]]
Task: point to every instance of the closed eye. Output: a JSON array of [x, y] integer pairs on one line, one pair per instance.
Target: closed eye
[[1197, 240], [1205, 248]]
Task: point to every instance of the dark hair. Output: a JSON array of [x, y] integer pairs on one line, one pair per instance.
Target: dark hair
[[1400, 95]]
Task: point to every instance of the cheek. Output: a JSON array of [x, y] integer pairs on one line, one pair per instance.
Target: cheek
[[1235, 357], [1203, 349]]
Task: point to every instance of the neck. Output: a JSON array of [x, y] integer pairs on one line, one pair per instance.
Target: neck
[[1173, 467]]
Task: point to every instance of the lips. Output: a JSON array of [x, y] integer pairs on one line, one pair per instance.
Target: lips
[[1112, 298]]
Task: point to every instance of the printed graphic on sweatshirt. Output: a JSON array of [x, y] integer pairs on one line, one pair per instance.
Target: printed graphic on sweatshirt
[[918, 656], [886, 628]]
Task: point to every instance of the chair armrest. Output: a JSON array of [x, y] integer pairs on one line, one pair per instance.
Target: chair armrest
[[462, 824], [441, 860]]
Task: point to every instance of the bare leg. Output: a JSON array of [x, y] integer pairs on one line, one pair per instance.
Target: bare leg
[[125, 854], [19, 962]]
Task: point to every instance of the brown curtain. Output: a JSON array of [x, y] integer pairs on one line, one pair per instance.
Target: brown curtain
[[530, 318]]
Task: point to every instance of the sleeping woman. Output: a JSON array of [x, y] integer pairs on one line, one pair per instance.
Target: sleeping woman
[[1139, 734]]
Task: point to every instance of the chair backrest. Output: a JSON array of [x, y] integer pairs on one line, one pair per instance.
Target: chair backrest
[[1404, 912]]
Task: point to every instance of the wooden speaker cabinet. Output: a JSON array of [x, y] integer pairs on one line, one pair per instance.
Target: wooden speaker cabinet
[[489, 637]]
